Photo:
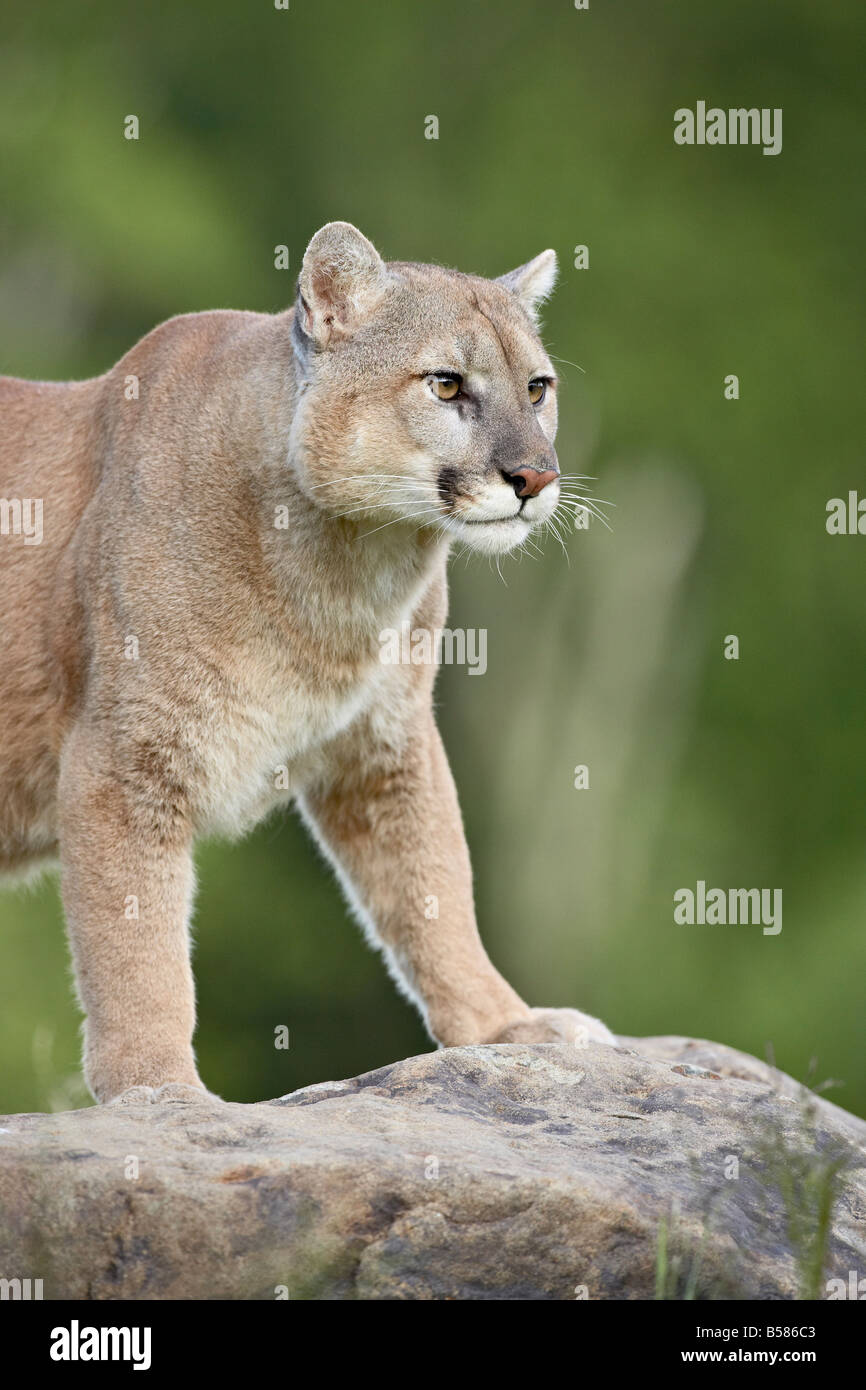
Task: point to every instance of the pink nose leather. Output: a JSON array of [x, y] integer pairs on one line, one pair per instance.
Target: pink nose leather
[[534, 480]]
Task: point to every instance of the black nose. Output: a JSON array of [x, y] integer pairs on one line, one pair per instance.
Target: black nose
[[528, 482]]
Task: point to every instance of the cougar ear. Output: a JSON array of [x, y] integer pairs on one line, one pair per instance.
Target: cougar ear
[[533, 282], [342, 279]]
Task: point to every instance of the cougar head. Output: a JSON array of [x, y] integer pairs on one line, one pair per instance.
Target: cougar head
[[427, 400]]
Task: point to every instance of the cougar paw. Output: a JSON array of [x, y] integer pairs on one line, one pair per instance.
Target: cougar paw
[[172, 1093], [556, 1025]]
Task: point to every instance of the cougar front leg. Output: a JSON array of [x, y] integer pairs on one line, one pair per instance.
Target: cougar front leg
[[127, 881], [391, 824]]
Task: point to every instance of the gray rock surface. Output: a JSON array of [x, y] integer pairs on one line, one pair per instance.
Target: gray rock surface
[[501, 1172]]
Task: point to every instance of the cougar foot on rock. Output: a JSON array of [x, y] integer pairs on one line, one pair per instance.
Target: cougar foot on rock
[[172, 1093], [556, 1025]]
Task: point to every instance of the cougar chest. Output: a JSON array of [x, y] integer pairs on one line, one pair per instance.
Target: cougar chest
[[267, 741]]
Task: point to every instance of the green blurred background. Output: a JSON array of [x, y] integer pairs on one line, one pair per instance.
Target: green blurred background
[[556, 129]]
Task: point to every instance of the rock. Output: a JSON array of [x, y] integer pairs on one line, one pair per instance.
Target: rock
[[500, 1172]]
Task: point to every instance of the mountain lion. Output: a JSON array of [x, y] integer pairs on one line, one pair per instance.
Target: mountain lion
[[232, 515]]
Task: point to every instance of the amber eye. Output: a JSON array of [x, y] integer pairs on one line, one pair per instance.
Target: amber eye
[[537, 390], [445, 385]]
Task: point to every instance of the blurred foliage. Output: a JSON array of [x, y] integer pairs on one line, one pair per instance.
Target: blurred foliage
[[258, 125]]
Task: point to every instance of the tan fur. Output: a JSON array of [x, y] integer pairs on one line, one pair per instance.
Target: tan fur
[[258, 643]]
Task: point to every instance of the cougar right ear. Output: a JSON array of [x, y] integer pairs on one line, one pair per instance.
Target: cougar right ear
[[342, 279], [533, 282]]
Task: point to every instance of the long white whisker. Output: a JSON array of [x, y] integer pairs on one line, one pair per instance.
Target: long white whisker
[[362, 478], [598, 515], [555, 529], [374, 504], [413, 517], [585, 504], [554, 358], [578, 494]]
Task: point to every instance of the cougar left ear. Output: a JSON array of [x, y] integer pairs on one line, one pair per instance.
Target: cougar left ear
[[533, 282]]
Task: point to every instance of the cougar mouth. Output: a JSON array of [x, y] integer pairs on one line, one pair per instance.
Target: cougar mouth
[[469, 514], [491, 520], [491, 535]]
